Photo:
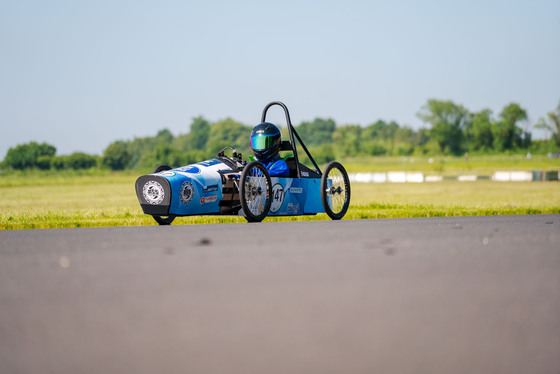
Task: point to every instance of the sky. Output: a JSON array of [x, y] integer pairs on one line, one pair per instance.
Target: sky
[[82, 74]]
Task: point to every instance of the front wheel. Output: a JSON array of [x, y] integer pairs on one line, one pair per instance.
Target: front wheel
[[164, 220], [255, 191], [335, 190], [160, 168]]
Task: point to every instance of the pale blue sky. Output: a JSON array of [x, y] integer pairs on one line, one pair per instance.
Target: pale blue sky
[[81, 74]]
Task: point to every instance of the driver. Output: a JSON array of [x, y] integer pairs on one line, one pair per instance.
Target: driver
[[266, 139]]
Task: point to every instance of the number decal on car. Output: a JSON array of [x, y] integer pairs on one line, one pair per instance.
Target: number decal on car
[[277, 197]]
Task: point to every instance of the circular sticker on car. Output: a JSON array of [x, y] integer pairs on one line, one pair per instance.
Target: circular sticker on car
[[153, 192], [277, 198], [189, 169], [187, 192]]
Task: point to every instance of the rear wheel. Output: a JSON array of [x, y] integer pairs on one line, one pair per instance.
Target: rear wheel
[[335, 190], [255, 191], [163, 220]]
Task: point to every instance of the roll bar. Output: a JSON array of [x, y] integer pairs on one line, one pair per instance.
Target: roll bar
[[293, 133]]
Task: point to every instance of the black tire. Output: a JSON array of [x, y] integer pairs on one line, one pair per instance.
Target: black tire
[[163, 220], [336, 194], [161, 168], [255, 191]]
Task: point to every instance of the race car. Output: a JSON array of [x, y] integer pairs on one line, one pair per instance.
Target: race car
[[228, 185]]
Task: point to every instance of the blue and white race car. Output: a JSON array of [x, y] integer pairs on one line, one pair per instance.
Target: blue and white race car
[[231, 186]]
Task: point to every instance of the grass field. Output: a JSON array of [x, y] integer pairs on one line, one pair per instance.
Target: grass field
[[64, 200]]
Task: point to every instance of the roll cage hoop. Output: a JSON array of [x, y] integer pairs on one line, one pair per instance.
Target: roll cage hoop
[[291, 144]]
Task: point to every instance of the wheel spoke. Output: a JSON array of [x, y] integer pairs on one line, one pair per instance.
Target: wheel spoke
[[255, 189], [337, 191], [255, 192]]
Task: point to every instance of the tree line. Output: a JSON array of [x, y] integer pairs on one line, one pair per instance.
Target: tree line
[[451, 129]]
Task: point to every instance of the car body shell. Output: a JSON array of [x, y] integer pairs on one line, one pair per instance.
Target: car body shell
[[209, 187]]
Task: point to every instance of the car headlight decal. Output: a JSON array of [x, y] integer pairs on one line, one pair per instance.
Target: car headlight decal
[[153, 192], [187, 192]]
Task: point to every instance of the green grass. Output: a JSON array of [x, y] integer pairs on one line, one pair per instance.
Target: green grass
[[449, 198], [64, 200]]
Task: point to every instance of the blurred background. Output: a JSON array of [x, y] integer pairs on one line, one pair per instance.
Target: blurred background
[[80, 75]]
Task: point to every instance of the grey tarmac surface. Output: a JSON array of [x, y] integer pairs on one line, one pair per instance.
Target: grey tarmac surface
[[430, 295]]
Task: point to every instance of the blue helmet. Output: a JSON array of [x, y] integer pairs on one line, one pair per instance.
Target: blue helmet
[[265, 140]]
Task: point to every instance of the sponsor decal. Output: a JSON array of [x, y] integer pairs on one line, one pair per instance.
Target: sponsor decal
[[293, 208], [189, 169], [277, 197], [187, 192], [212, 188], [210, 162], [208, 199], [296, 190], [304, 174], [153, 192]]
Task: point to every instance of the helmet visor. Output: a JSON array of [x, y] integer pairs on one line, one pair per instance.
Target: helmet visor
[[262, 142]]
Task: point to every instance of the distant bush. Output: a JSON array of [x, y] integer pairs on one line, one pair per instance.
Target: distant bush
[[80, 160], [58, 163], [323, 154], [374, 149], [30, 155], [116, 156], [44, 162]]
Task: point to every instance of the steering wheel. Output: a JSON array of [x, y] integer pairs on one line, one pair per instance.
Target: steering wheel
[[236, 158]]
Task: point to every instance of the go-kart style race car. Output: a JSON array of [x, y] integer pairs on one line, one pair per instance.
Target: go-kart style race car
[[231, 186]]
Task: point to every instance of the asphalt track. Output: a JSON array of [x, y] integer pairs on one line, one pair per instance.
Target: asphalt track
[[442, 295]]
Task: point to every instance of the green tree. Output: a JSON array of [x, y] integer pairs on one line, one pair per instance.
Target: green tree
[[199, 132], [116, 156], [139, 147], [381, 130], [58, 162], [554, 119], [80, 160], [165, 154], [228, 133], [422, 137], [44, 162], [507, 135], [25, 156], [322, 154], [164, 136], [379, 138], [448, 121], [162, 154], [318, 132], [542, 125], [196, 139], [481, 136], [347, 139], [405, 141], [373, 148]]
